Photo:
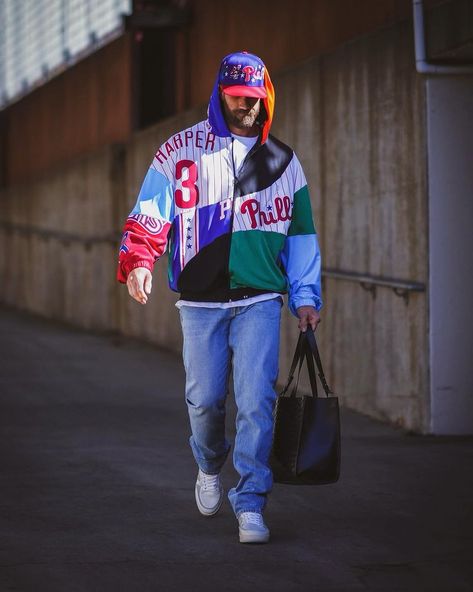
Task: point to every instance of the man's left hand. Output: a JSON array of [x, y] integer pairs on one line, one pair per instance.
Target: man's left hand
[[308, 315]]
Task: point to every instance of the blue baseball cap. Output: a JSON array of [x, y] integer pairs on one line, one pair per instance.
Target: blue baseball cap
[[242, 75]]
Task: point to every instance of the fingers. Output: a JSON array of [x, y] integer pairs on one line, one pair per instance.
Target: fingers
[[308, 315], [135, 288], [148, 283], [307, 320], [303, 323], [314, 321], [136, 282]]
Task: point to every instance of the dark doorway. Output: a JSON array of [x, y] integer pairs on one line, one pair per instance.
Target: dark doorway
[[155, 68]]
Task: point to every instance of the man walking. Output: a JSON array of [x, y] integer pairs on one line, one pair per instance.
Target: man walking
[[232, 202]]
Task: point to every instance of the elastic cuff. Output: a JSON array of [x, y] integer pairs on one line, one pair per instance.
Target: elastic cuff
[[294, 305], [128, 268], [136, 264]]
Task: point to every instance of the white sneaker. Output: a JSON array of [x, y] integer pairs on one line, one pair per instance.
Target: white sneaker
[[252, 528], [208, 493]]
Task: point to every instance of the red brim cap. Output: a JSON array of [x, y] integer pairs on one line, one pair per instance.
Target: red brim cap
[[257, 92]]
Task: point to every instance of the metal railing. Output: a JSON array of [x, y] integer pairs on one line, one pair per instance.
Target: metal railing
[[370, 283], [64, 237]]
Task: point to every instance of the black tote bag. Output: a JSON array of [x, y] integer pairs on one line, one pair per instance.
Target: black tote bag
[[306, 438]]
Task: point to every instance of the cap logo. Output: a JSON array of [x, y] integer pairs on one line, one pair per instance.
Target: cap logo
[[244, 74], [248, 70]]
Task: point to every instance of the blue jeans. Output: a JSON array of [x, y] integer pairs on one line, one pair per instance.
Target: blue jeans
[[246, 337]]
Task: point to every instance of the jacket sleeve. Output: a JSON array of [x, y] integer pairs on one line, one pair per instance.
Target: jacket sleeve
[[301, 254], [147, 227]]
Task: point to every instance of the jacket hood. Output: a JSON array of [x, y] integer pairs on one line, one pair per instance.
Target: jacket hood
[[217, 120]]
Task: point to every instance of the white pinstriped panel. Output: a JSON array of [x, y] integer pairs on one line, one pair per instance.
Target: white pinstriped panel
[[215, 182]]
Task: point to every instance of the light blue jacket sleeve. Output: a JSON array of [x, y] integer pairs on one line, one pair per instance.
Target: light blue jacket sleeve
[[301, 253], [302, 262]]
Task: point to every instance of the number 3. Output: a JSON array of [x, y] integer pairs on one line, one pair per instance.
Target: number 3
[[187, 193]]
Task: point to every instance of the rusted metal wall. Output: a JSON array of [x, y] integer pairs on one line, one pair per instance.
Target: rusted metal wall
[[281, 32], [87, 106], [90, 104], [356, 119]]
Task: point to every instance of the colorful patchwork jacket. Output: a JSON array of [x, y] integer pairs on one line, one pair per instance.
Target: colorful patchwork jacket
[[230, 236]]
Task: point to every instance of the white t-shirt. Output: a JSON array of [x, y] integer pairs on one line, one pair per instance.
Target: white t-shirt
[[241, 146]]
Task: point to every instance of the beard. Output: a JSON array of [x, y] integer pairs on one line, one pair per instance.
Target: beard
[[242, 119]]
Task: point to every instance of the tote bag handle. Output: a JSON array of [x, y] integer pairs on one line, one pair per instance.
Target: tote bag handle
[[297, 359], [307, 349], [312, 353]]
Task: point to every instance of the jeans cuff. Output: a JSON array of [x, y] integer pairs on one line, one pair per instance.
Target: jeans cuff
[[209, 472], [257, 510], [213, 466]]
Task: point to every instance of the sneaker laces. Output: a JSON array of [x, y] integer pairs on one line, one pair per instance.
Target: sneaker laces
[[253, 518], [209, 482]]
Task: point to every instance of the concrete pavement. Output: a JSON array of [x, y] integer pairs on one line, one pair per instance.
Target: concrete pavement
[[96, 487]]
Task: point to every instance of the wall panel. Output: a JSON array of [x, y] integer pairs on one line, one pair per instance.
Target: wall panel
[[356, 119], [85, 107]]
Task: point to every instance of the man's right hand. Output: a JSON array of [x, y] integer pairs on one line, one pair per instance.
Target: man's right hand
[[139, 284]]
